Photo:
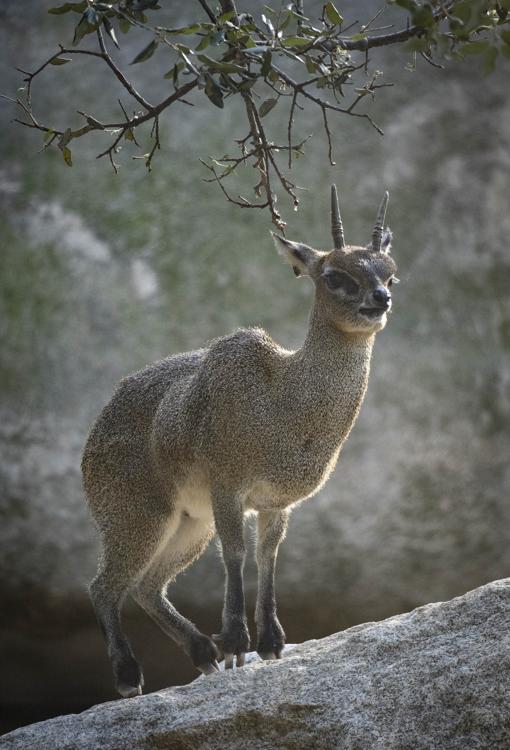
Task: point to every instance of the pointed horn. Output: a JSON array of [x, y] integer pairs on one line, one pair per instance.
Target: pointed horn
[[379, 224], [337, 228]]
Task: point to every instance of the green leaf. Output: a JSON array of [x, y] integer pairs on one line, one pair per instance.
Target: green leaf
[[423, 17], [475, 48], [88, 23], [66, 153], [146, 53], [76, 7], [185, 29], [204, 42], [228, 16], [174, 72], [47, 135], [417, 44], [333, 15], [467, 16], [267, 106], [247, 84], [110, 31], [219, 65], [311, 65], [60, 60], [224, 67], [489, 60], [266, 63], [297, 41], [184, 48], [409, 5], [124, 25], [214, 92], [268, 24], [248, 42]]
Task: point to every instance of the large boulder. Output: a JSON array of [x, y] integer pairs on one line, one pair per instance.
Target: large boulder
[[434, 678]]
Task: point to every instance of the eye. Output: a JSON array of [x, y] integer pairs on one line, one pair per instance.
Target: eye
[[338, 280]]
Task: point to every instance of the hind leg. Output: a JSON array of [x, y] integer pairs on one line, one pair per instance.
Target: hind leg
[[125, 559], [107, 600], [187, 544]]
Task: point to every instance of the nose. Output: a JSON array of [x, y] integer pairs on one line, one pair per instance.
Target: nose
[[381, 296]]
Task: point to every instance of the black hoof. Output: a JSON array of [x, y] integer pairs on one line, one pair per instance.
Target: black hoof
[[234, 639], [271, 640], [129, 678], [202, 651]]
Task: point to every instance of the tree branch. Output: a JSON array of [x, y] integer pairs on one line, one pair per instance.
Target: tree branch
[[209, 12], [118, 74], [233, 55], [397, 37]]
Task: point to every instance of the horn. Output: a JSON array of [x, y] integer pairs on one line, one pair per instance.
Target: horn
[[379, 224], [337, 228]]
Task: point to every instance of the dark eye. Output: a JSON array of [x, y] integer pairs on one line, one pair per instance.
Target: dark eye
[[338, 280]]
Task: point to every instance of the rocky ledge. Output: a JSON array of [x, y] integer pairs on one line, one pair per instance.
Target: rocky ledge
[[438, 677]]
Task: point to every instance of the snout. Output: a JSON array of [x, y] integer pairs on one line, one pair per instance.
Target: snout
[[376, 303], [381, 297]]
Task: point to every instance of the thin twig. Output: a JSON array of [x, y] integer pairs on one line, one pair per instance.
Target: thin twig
[[243, 202], [209, 12], [289, 125], [328, 135], [118, 74], [431, 61]]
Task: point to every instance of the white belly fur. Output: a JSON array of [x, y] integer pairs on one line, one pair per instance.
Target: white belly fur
[[194, 499]]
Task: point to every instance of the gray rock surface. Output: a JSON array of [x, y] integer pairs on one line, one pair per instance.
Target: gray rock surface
[[436, 678]]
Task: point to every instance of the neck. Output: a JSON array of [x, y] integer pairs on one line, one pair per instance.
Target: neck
[[329, 376], [328, 350]]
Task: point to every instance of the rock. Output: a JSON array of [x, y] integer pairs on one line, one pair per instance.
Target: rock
[[434, 678]]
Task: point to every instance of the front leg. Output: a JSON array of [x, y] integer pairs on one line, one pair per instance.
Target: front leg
[[271, 528], [229, 518]]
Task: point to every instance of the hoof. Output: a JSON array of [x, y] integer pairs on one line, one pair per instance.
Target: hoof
[[203, 653], [271, 639], [233, 641], [129, 691], [128, 678], [209, 668], [269, 655], [240, 659]]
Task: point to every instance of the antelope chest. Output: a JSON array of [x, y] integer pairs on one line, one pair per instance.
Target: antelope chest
[[294, 473], [295, 458]]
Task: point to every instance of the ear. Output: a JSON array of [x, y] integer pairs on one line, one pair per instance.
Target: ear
[[303, 259], [386, 241]]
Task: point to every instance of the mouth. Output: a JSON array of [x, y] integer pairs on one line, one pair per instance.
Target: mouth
[[373, 313]]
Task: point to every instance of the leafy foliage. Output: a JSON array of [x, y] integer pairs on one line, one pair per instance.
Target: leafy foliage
[[284, 55]]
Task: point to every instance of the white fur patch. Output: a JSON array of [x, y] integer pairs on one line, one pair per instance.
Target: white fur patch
[[194, 498]]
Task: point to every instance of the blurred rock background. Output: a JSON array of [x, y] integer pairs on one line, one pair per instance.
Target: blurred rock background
[[101, 274]]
